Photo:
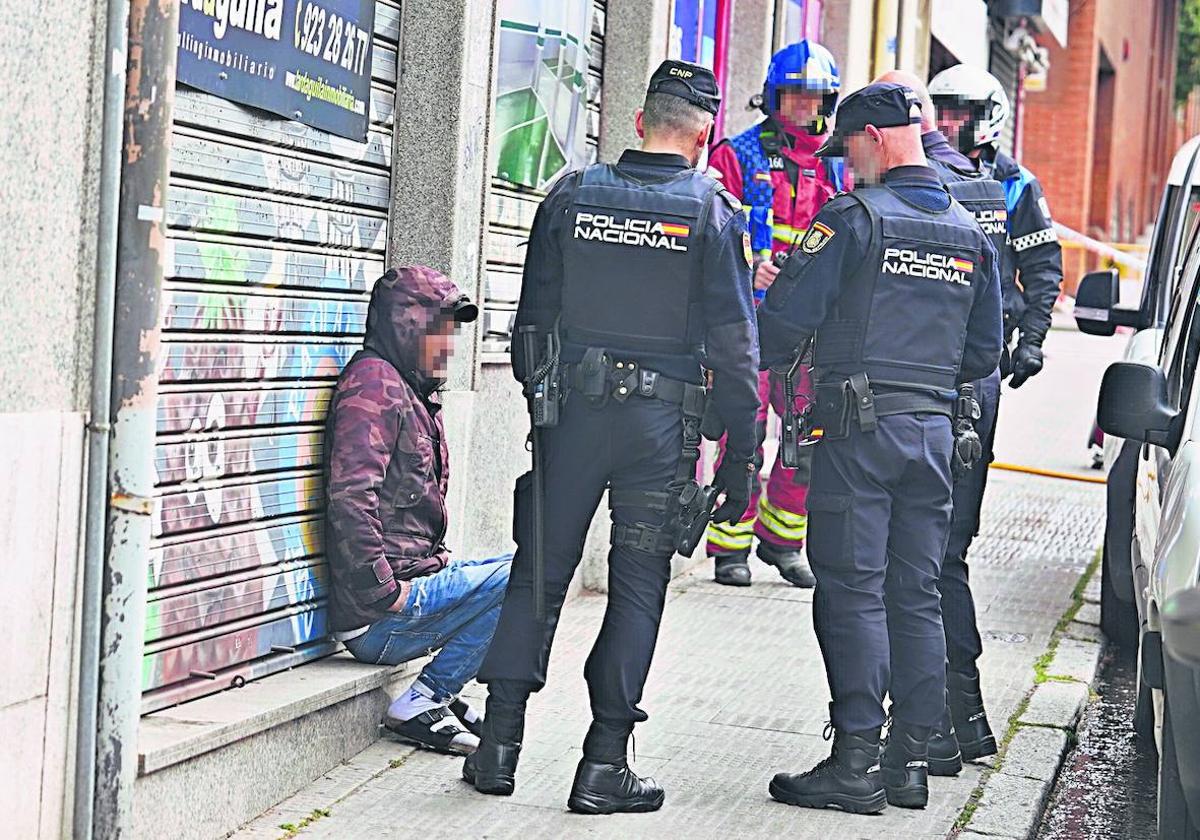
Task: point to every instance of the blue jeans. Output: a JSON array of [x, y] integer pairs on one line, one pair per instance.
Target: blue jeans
[[455, 610]]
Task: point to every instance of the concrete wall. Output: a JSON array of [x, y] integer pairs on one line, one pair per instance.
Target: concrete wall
[[848, 35], [48, 183], [752, 28]]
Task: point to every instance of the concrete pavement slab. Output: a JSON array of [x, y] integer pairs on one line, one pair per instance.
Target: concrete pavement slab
[[1010, 806], [1056, 704], [1089, 614], [1035, 753], [1077, 660], [1085, 632]]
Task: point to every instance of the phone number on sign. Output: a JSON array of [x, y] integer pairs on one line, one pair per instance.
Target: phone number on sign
[[331, 37]]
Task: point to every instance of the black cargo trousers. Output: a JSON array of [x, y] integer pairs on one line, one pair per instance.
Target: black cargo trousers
[[627, 446], [963, 644]]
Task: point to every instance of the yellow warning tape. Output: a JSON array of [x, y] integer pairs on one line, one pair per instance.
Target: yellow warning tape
[[1091, 479], [1128, 247]]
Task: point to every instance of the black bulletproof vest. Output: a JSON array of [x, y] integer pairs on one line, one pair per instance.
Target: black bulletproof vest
[[902, 317], [984, 198], [633, 260]]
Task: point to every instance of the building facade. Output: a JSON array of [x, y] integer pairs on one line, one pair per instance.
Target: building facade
[[1100, 134], [172, 510]]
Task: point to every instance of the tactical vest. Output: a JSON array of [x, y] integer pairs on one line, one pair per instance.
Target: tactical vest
[[986, 199], [902, 317], [633, 261]]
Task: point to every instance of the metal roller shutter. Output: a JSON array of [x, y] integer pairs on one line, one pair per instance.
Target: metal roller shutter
[[277, 232], [1006, 68], [511, 208]]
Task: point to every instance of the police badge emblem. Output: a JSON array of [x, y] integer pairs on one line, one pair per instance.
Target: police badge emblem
[[818, 237]]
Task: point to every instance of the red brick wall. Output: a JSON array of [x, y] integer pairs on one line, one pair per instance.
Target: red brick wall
[[1086, 167]]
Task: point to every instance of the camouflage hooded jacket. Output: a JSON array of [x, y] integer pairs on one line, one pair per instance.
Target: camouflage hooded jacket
[[386, 466]]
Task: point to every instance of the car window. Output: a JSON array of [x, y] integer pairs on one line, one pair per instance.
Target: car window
[[1182, 301], [1181, 390], [1163, 259], [1179, 356]]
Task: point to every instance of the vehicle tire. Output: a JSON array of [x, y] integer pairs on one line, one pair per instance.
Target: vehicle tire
[[1118, 620], [1143, 715], [1174, 822]]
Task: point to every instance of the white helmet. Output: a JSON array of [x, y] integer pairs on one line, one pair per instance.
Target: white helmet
[[964, 85]]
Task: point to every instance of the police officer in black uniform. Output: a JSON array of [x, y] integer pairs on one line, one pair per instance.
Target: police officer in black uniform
[[1009, 204], [642, 270], [896, 286]]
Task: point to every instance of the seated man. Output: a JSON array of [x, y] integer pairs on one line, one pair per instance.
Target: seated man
[[396, 594]]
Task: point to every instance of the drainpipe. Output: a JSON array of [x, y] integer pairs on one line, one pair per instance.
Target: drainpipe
[[141, 257], [116, 35]]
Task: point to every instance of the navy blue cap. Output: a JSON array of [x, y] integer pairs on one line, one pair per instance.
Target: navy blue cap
[[688, 81], [883, 105]]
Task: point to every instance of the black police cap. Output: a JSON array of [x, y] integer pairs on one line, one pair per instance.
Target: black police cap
[[883, 105], [688, 81]]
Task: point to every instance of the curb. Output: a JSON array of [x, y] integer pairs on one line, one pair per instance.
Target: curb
[[1009, 802]]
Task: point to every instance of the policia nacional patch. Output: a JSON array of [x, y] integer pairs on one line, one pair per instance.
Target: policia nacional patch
[[818, 237]]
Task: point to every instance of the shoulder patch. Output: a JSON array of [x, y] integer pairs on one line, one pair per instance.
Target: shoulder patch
[[818, 237], [746, 249], [735, 203]]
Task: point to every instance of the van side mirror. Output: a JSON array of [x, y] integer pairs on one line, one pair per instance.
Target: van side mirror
[[1096, 310], [1095, 300], [1133, 404]]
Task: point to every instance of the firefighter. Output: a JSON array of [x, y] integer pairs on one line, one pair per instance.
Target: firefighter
[[772, 169]]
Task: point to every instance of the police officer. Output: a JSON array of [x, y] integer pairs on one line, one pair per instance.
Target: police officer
[[971, 110], [896, 285], [642, 270], [772, 168]]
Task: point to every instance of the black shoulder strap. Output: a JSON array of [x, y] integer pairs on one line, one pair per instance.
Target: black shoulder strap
[[696, 286]]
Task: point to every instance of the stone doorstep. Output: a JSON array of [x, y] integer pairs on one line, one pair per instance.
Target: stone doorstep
[[175, 735]]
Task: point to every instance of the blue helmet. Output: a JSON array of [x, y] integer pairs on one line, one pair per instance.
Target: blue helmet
[[806, 65]]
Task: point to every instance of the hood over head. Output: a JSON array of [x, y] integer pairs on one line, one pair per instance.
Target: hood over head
[[407, 303]]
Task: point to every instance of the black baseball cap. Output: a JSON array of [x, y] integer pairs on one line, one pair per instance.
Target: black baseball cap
[[688, 81], [883, 105]]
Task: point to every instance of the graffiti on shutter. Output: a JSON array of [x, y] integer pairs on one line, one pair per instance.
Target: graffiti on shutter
[[277, 231]]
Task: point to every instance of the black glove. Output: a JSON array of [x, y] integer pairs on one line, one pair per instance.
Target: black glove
[[712, 427], [735, 476], [1026, 362]]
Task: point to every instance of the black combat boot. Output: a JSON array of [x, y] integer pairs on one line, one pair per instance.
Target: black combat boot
[[975, 738], [604, 784], [492, 768], [790, 562], [904, 766], [732, 569], [944, 756], [848, 779]]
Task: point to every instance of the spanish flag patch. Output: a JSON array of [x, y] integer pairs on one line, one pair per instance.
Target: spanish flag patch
[[818, 237], [675, 230], [965, 266]]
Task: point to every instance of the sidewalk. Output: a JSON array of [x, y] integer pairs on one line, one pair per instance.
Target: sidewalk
[[737, 691]]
